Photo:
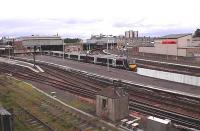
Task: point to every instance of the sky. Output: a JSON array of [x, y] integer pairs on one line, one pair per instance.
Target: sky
[[81, 18]]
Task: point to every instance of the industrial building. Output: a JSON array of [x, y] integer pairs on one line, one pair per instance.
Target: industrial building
[[173, 45], [112, 103], [6, 45], [24, 44], [100, 42], [73, 47]]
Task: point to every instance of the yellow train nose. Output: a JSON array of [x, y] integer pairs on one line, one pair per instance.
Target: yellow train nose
[[133, 67]]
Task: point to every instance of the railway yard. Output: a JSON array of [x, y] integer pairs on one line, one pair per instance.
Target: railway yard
[[77, 84]]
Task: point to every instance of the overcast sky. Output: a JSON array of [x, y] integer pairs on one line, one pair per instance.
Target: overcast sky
[[81, 18]]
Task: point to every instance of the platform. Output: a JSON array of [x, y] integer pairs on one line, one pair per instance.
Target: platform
[[30, 66], [123, 75]]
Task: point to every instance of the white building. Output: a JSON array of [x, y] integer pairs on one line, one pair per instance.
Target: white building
[[174, 45]]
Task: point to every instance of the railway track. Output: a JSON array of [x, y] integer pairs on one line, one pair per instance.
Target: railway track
[[79, 87], [28, 118], [54, 82], [160, 113]]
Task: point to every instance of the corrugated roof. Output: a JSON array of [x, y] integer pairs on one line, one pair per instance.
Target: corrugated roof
[[40, 38], [112, 92], [175, 36]]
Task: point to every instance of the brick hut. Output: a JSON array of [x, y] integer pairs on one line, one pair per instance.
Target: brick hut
[[112, 103]]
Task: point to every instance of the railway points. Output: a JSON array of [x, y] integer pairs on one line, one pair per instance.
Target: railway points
[[123, 75], [169, 97]]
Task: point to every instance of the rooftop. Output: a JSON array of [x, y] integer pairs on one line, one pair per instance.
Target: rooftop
[[175, 36], [166, 121], [39, 37], [4, 111], [112, 92]]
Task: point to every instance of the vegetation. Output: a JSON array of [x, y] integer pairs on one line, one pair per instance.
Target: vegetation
[[69, 40], [15, 94], [197, 33]]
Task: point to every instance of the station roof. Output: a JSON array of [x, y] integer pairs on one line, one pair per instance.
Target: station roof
[[112, 92], [40, 38], [175, 36]]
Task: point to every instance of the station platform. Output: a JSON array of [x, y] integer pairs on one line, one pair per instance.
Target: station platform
[[122, 75], [30, 66]]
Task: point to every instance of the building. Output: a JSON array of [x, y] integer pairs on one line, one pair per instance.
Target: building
[[6, 121], [173, 45], [131, 34], [73, 47], [24, 44], [133, 40], [6, 46], [112, 103], [157, 124], [100, 42]]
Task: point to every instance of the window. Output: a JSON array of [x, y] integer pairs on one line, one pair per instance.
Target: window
[[104, 103]]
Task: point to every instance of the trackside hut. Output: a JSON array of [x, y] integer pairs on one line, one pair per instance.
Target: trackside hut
[[112, 103]]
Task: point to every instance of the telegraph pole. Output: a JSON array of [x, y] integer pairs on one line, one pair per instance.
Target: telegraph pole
[[108, 68], [34, 55]]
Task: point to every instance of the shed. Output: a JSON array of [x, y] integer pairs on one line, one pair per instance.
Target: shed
[[5, 120], [112, 103]]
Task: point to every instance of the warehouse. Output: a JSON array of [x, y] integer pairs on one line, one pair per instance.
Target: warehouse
[[180, 45], [24, 44]]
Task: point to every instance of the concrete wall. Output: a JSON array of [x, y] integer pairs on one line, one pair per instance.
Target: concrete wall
[[166, 49], [186, 79], [182, 52], [147, 49], [193, 52], [120, 108], [116, 108], [195, 41], [185, 41]]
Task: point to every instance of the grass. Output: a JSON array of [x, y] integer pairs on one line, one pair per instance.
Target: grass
[[15, 93]]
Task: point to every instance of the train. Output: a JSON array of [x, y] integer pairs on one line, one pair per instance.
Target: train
[[100, 59]]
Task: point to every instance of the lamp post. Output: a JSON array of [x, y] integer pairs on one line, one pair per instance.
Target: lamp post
[[127, 51], [63, 50], [177, 52], [9, 46], [9, 52], [108, 68], [34, 48]]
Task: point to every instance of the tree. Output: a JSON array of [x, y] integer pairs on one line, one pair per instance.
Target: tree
[[197, 33], [69, 40]]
